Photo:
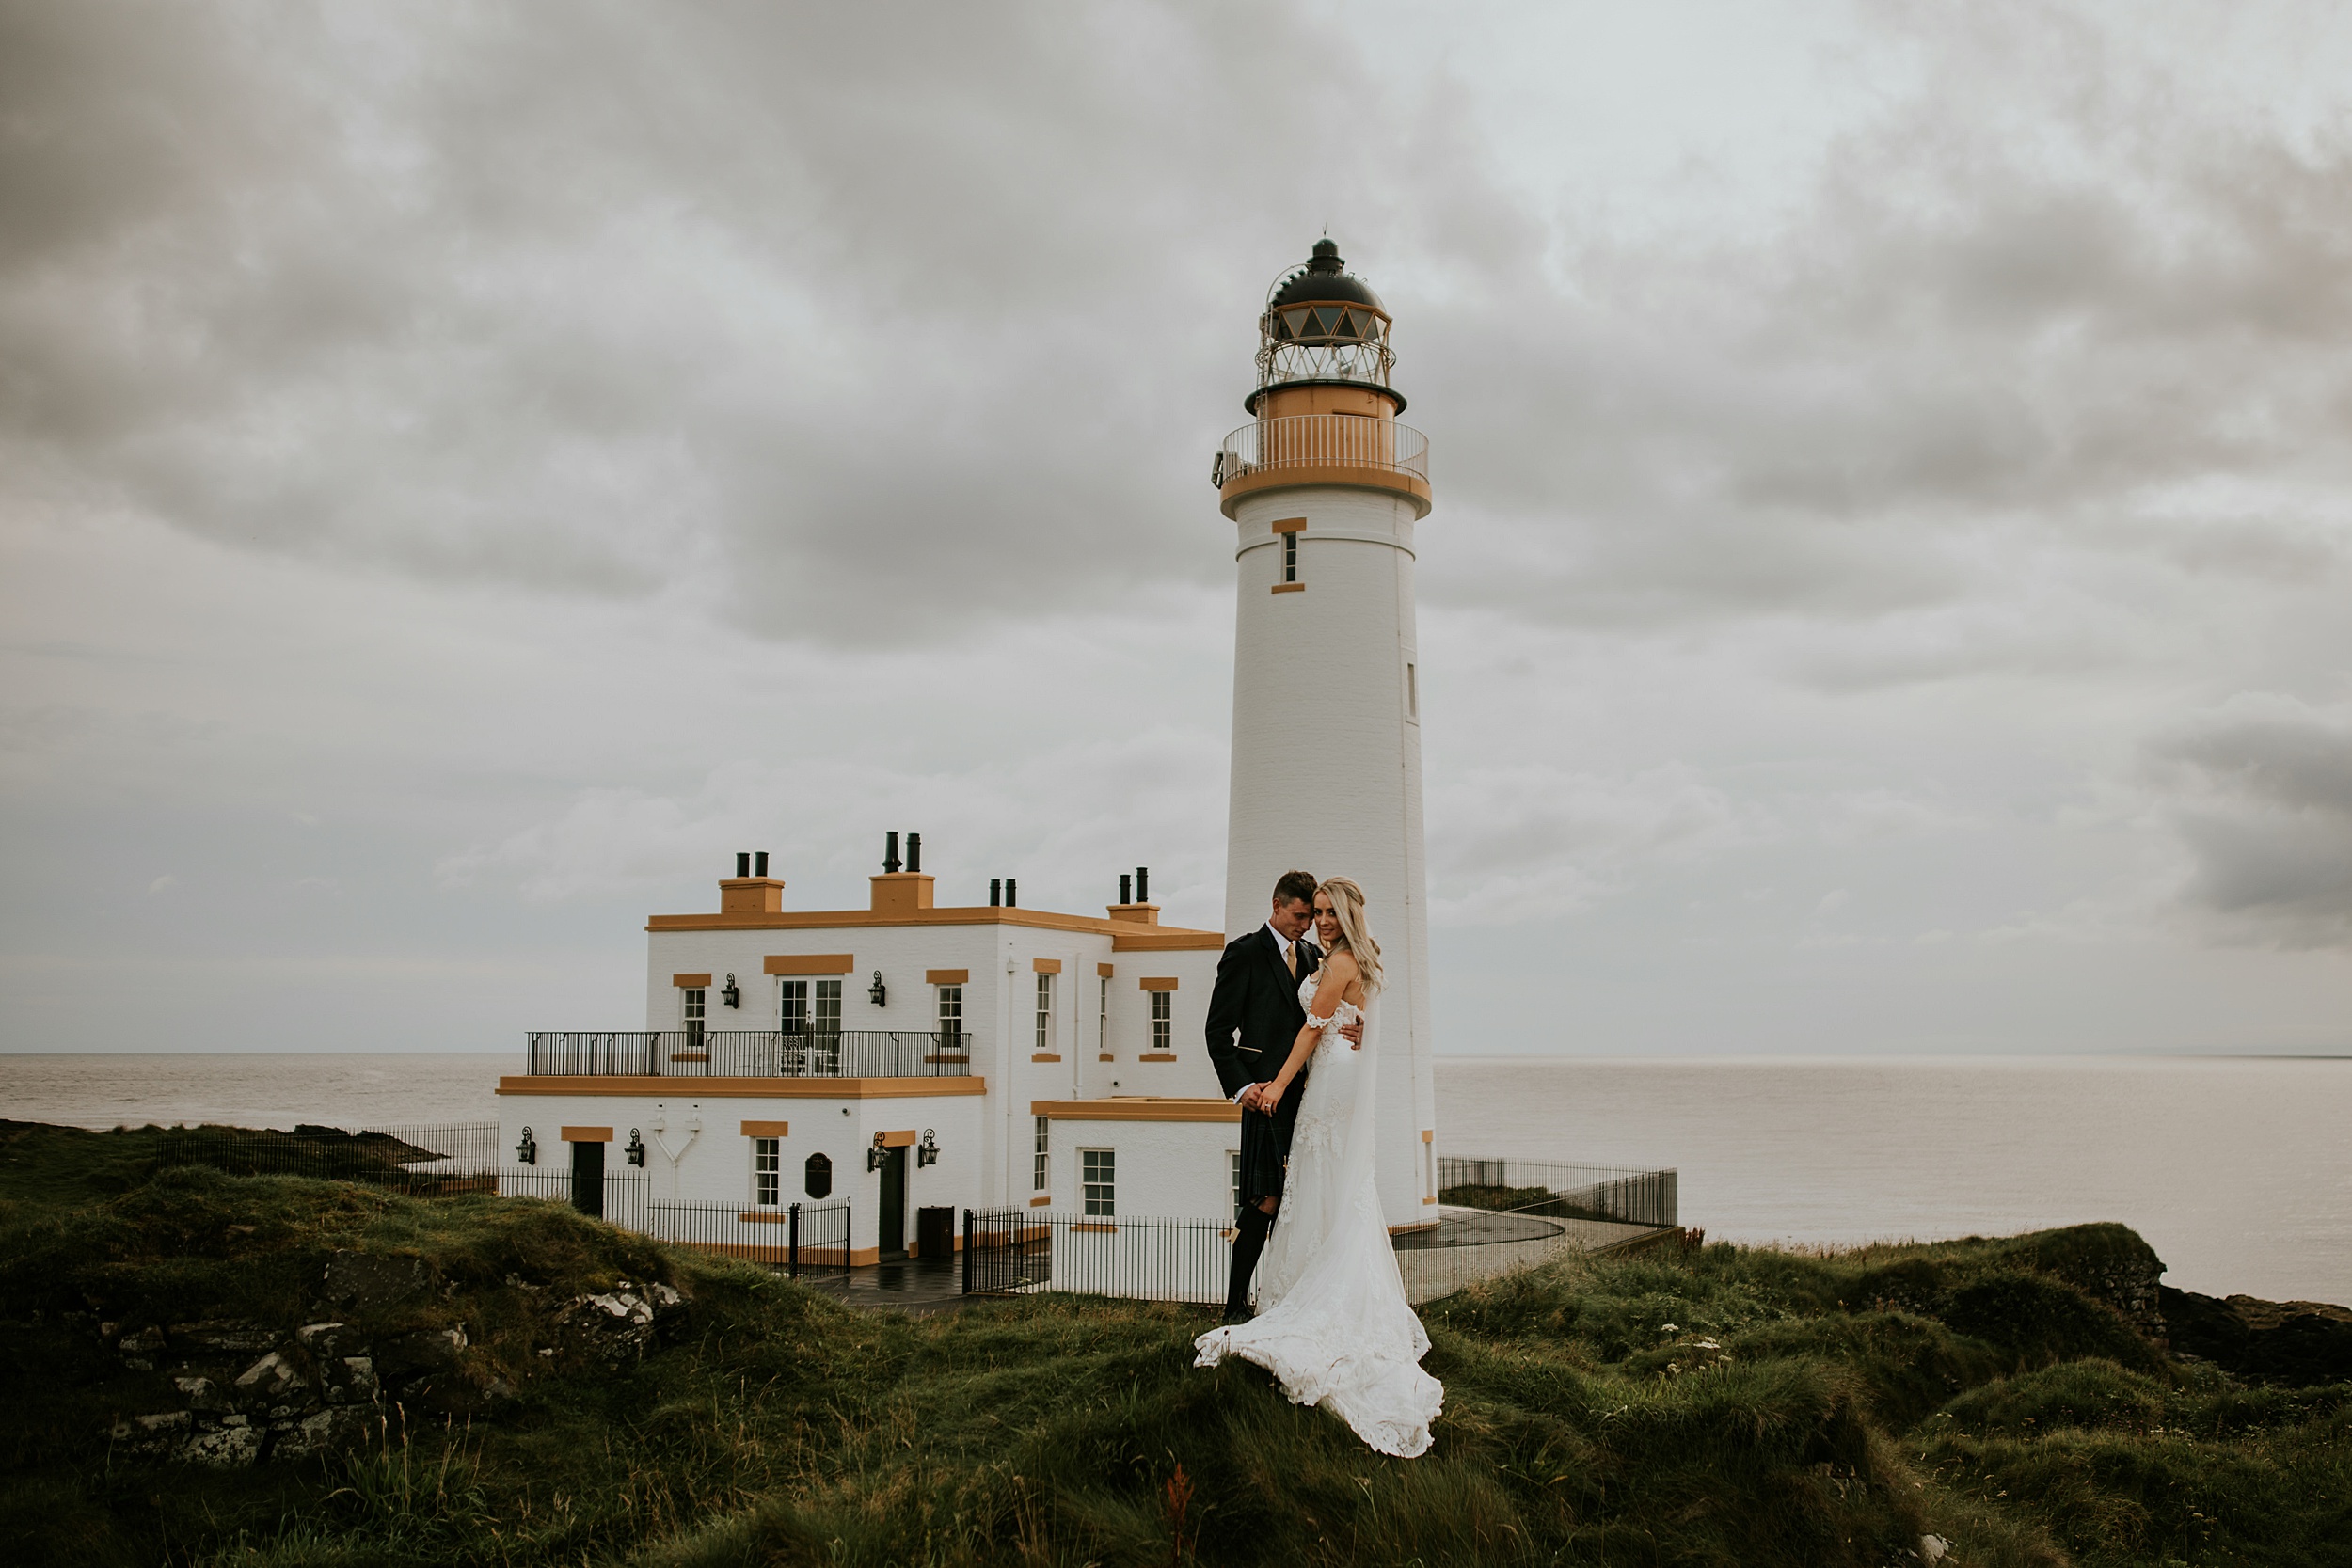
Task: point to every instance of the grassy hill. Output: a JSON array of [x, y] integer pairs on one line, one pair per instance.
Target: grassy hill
[[479, 1381]]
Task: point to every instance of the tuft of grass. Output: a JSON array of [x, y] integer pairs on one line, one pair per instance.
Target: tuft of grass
[[1730, 1406]]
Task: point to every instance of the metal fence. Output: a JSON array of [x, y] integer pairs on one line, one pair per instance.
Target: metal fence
[[1321, 440], [746, 1053], [801, 1237], [1621, 1192], [423, 1161], [1013, 1251]]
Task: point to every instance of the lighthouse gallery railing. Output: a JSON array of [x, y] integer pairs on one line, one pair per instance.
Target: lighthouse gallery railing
[[1322, 441]]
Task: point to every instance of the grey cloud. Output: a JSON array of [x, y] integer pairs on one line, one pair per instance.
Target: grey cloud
[[2264, 804]]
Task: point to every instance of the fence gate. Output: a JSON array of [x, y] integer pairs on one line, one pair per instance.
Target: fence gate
[[1006, 1250]]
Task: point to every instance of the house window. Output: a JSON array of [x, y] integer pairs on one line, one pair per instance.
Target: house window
[[1099, 1174], [950, 1016], [817, 1177], [1232, 1176], [809, 1007], [1290, 558], [1037, 1161], [694, 1014], [767, 1171], [1163, 1021], [1102, 1017], [1045, 1013]]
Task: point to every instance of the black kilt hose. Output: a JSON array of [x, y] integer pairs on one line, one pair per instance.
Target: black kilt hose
[[1254, 1019]]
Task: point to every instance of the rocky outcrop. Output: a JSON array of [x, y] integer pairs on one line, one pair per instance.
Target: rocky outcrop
[[245, 1392], [2297, 1344]]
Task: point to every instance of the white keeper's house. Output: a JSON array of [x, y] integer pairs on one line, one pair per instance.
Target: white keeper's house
[[915, 1060]]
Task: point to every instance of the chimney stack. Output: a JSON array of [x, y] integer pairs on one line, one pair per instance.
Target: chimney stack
[[915, 851], [1143, 884], [1125, 894], [759, 863], [890, 854], [742, 863], [1012, 894], [995, 891]]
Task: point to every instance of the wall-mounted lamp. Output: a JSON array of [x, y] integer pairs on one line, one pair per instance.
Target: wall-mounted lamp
[[927, 1153], [878, 994], [636, 1151], [874, 1156], [526, 1151], [731, 994]]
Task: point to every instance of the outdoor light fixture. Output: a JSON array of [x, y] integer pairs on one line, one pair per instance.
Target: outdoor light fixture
[[526, 1151], [730, 995], [878, 994], [874, 1155], [636, 1151], [927, 1153]]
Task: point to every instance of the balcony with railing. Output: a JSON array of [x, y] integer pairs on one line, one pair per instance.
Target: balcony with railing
[[747, 1054], [1324, 449]]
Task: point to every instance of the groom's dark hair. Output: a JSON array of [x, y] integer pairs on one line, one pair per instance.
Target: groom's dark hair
[[1296, 884]]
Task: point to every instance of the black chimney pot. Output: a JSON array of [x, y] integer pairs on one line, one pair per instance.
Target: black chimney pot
[[759, 863], [995, 891], [915, 851], [890, 854], [1012, 894], [1125, 895], [743, 863], [1143, 884]]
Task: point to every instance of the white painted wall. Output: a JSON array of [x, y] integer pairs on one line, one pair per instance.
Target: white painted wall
[[1327, 767], [1166, 1168]]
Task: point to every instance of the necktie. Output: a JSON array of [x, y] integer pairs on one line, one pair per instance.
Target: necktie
[[1294, 961]]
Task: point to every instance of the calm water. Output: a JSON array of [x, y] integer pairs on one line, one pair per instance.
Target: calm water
[[2239, 1172]]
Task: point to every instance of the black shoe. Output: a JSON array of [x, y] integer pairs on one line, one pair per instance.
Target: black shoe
[[1233, 1316]]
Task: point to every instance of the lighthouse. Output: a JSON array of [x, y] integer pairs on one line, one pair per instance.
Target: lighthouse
[[1324, 489]]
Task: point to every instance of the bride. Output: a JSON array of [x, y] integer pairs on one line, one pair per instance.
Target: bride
[[1332, 1324]]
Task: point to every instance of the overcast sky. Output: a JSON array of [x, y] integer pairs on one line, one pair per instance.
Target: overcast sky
[[466, 470]]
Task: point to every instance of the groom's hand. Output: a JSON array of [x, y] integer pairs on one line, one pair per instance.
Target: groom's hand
[[1354, 1035], [1247, 1100]]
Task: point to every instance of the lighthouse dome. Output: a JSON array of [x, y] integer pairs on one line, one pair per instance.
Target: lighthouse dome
[[1325, 279]]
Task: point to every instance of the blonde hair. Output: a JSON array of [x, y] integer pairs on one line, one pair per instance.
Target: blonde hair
[[1347, 902]]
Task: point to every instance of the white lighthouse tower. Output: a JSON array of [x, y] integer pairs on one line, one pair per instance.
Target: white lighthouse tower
[[1324, 489]]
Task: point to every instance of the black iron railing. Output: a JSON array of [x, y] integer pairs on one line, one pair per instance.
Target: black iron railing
[[797, 1239], [424, 1162], [1626, 1193], [747, 1054], [1008, 1251]]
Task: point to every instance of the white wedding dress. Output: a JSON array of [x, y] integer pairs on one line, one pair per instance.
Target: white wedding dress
[[1333, 1325]]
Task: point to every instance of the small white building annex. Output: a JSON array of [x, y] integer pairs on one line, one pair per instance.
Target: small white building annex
[[905, 1057]]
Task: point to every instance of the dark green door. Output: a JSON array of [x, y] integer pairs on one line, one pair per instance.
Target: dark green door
[[894, 1203], [588, 1178]]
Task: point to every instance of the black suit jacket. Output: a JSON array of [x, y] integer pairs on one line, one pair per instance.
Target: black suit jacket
[[1254, 1015]]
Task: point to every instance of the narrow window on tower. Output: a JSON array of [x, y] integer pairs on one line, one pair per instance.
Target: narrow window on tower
[[1045, 1013], [1290, 558], [1413, 693], [1103, 1018]]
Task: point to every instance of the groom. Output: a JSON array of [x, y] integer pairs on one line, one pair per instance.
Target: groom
[[1254, 1019]]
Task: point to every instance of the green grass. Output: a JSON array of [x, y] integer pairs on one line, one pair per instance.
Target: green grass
[[1799, 1410]]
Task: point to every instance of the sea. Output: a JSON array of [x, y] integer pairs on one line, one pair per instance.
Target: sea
[[2237, 1170]]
